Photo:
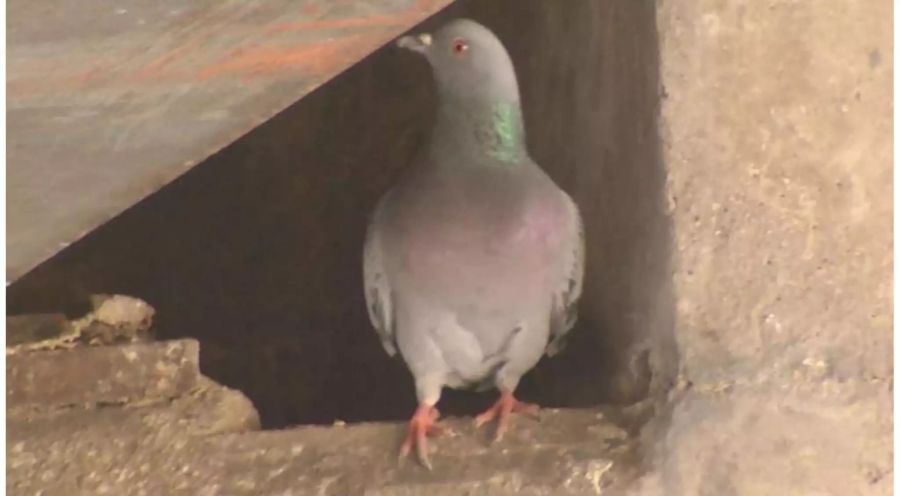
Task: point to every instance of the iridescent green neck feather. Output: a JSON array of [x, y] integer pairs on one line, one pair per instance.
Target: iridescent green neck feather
[[506, 120], [479, 131]]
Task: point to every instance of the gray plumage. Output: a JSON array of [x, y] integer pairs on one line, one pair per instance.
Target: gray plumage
[[473, 262]]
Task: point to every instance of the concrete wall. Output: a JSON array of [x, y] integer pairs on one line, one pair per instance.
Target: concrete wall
[[776, 127]]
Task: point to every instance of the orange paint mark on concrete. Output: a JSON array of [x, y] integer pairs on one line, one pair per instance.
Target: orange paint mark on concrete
[[429, 6], [335, 24], [180, 62], [90, 75], [317, 58], [155, 69], [23, 88], [93, 77], [156, 65], [419, 9]]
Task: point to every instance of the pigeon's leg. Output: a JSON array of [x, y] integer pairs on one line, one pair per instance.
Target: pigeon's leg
[[422, 425], [502, 410]]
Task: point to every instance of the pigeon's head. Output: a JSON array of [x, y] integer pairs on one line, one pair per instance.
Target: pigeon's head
[[468, 62]]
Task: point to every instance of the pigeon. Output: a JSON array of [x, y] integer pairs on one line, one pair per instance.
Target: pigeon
[[473, 261]]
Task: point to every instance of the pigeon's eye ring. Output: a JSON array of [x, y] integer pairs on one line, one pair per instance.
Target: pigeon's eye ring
[[459, 47]]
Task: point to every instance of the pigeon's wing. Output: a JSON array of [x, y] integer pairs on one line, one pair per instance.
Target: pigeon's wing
[[564, 312], [377, 286]]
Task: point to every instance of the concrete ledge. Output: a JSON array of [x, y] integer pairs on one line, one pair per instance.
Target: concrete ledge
[[100, 375], [148, 423], [90, 451], [157, 451]]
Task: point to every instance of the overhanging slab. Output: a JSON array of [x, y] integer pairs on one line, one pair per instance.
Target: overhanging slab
[[109, 101]]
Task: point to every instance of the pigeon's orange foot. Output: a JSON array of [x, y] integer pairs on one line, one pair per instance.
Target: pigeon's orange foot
[[503, 410], [422, 425]]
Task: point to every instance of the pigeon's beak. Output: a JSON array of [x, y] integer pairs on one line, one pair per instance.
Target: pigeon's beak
[[420, 43]]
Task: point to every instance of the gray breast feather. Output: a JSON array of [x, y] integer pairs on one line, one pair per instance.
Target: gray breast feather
[[564, 312]]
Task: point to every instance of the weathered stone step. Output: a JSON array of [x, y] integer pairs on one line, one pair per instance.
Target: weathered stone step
[[92, 451], [96, 375], [159, 450]]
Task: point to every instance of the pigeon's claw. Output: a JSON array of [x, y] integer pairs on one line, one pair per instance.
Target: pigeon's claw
[[421, 425], [502, 410]]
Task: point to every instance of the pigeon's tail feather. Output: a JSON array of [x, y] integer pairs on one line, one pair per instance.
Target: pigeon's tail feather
[[481, 378]]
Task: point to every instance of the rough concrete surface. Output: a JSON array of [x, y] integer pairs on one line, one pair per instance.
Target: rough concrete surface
[[95, 375], [776, 127], [139, 419], [119, 449], [168, 449]]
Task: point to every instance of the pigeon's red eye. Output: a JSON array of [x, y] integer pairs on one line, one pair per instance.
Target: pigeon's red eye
[[460, 46]]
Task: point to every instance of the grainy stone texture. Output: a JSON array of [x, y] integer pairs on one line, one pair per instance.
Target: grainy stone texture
[[139, 419], [92, 375], [776, 130], [120, 449], [116, 319], [167, 450]]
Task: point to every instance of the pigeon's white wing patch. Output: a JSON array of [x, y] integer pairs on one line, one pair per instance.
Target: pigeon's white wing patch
[[377, 285], [568, 290]]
